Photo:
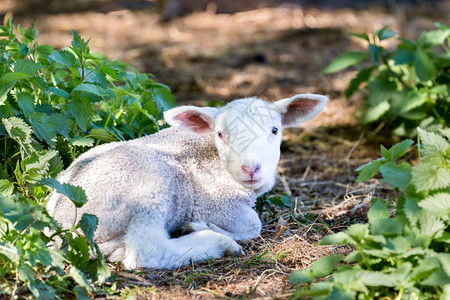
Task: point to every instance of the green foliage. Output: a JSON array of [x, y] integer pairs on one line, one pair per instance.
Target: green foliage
[[268, 204], [408, 87], [54, 105], [403, 251]]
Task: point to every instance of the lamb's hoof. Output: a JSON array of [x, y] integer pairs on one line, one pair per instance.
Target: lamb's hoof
[[233, 250]]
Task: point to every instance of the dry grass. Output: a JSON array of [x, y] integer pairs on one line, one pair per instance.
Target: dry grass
[[289, 242]]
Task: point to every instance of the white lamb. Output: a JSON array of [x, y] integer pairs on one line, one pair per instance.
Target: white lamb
[[201, 177]]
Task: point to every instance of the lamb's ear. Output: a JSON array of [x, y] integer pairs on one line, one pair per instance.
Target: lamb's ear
[[196, 119], [300, 108]]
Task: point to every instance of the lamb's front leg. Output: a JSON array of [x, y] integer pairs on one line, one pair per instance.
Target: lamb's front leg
[[147, 244], [243, 224]]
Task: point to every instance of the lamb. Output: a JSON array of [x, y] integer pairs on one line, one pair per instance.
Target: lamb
[[187, 192]]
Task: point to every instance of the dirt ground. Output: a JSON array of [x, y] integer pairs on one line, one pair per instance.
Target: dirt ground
[[275, 52]]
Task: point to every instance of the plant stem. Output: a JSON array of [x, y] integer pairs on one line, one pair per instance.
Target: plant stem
[[400, 293], [438, 116]]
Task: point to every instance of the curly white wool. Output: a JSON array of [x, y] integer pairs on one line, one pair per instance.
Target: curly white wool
[[206, 170]]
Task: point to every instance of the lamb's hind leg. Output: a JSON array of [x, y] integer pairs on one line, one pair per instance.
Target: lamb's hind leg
[[151, 247], [244, 226]]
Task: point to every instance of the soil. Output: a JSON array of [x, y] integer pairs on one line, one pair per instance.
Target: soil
[[273, 52]]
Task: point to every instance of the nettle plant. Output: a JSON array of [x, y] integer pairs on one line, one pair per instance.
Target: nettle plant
[[404, 250], [54, 105], [408, 87]]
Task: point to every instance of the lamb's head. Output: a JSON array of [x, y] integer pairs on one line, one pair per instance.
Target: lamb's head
[[247, 132]]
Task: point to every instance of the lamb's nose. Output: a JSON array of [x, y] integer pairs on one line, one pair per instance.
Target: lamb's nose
[[250, 170]]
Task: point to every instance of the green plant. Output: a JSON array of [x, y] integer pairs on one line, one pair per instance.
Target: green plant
[[408, 87], [54, 105], [403, 251], [268, 203]]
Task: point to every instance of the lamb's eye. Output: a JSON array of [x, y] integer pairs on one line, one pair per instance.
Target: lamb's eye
[[220, 135], [274, 130]]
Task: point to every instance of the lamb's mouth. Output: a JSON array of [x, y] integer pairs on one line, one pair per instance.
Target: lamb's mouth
[[251, 183]]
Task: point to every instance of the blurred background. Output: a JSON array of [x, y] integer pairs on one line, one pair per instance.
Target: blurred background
[[220, 50]]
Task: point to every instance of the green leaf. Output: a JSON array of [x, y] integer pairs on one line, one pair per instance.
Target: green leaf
[[378, 210], [428, 176], [81, 293], [6, 187], [26, 273], [27, 67], [424, 66], [393, 279], [59, 92], [386, 153], [381, 89], [346, 60], [102, 135], [82, 141], [74, 193], [301, 277], [79, 278], [431, 226], [374, 113], [339, 293], [385, 33], [438, 278], [44, 256], [444, 259], [433, 143], [102, 270], [403, 56], [4, 90], [79, 45], [88, 225], [19, 131], [90, 88], [398, 244], [400, 149], [446, 132], [360, 35], [358, 231], [361, 77], [375, 51], [397, 176], [322, 267], [26, 103], [435, 37], [386, 227], [336, 238], [441, 89], [58, 258], [61, 124], [10, 251], [30, 34], [13, 76], [414, 99], [81, 110], [38, 161], [65, 58], [162, 96], [437, 204], [424, 269], [369, 170], [43, 129], [40, 290]]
